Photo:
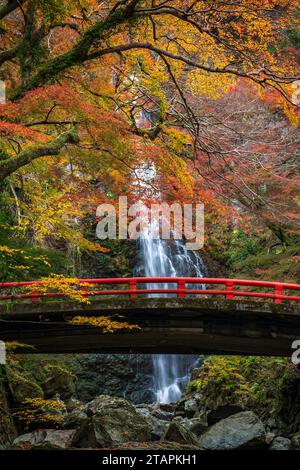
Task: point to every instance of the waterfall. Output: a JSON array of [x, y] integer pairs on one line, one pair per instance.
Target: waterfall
[[168, 258]]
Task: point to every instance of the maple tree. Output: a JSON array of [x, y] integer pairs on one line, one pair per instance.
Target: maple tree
[[98, 89]]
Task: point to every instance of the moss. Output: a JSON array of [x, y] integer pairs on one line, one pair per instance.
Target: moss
[[22, 386], [250, 382]]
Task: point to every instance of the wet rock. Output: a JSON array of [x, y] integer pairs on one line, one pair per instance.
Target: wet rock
[[280, 443], [178, 433], [51, 438], [240, 431]]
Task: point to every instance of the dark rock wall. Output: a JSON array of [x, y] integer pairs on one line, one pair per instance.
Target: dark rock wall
[[128, 376]]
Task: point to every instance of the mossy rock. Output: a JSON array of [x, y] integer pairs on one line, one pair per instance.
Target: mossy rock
[[178, 433], [60, 382], [22, 387]]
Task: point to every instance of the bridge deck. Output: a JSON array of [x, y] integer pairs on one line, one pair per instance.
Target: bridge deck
[[171, 325]]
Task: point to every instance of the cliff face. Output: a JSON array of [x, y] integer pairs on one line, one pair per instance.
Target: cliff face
[[120, 375]]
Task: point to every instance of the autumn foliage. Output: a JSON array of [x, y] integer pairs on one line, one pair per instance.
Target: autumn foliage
[[201, 91]]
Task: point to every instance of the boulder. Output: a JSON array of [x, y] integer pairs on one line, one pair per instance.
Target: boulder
[[196, 425], [60, 382], [110, 419], [76, 418], [143, 410], [51, 438], [295, 441], [280, 443], [178, 433], [22, 387], [158, 427], [241, 431], [92, 434], [270, 437], [222, 412], [163, 415]]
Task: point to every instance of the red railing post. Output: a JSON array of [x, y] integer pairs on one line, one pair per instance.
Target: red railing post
[[229, 287], [181, 287], [34, 299], [133, 288], [85, 289], [278, 291]]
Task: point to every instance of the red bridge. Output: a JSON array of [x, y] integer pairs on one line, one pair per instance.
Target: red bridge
[[205, 315]]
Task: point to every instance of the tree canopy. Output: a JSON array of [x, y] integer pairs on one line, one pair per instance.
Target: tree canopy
[[202, 90]]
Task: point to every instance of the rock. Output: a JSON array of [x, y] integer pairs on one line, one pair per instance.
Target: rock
[[59, 381], [178, 433], [295, 441], [46, 437], [162, 415], [76, 418], [110, 420], [280, 443], [92, 434], [222, 412], [167, 407], [158, 427], [111, 374], [271, 425], [72, 404], [189, 405], [195, 425], [241, 431], [21, 387], [270, 437], [143, 410]]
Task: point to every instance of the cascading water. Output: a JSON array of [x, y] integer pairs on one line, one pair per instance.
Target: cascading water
[[168, 258]]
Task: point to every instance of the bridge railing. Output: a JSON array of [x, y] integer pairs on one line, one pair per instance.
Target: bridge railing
[[178, 286]]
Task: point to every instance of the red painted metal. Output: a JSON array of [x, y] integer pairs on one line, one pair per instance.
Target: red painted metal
[[279, 291]]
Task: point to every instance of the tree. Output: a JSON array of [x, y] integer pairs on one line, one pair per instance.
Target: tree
[[86, 87]]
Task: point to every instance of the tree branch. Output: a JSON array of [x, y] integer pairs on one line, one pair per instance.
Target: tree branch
[[10, 6], [10, 165]]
